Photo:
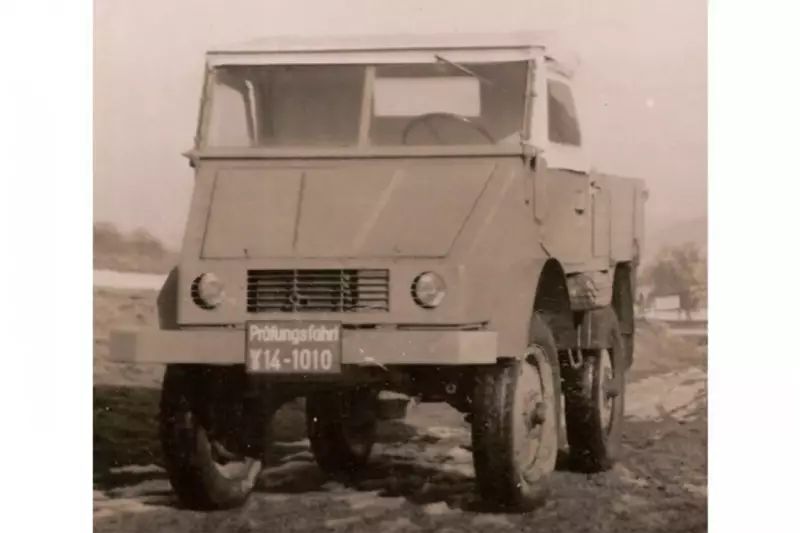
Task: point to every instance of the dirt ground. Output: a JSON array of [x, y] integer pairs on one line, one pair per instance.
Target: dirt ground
[[421, 478]]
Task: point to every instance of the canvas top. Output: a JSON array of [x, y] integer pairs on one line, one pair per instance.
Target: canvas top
[[377, 42], [380, 48]]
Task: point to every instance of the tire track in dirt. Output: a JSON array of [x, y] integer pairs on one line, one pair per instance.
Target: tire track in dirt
[[422, 480]]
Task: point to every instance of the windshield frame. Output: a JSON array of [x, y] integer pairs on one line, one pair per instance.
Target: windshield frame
[[362, 148]]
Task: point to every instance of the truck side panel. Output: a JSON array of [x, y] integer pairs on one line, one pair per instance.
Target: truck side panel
[[622, 218], [567, 222], [601, 217], [638, 220], [625, 207]]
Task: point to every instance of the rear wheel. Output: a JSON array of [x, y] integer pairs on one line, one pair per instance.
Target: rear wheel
[[595, 403], [515, 426], [212, 450], [342, 427]]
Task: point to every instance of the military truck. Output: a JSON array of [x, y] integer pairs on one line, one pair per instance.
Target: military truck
[[407, 214]]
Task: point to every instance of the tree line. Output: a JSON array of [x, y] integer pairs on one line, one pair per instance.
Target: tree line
[[680, 271]]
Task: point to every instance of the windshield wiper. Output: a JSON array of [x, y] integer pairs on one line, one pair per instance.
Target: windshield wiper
[[464, 69]]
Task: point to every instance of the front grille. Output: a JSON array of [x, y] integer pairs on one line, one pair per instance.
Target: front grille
[[331, 291]]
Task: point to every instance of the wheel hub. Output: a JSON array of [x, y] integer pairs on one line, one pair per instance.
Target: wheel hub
[[538, 414], [529, 396], [534, 415]]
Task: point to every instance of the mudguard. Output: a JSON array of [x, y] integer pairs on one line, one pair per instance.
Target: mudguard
[[594, 332], [167, 302]]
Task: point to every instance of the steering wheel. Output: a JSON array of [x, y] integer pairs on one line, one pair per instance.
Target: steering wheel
[[452, 116]]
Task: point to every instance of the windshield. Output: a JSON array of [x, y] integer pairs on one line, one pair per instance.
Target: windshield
[[354, 105]]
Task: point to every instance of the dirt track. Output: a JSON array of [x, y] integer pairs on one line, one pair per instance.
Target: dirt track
[[421, 479]]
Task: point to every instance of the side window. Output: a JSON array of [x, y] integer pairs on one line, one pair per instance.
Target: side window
[[230, 123], [563, 127]]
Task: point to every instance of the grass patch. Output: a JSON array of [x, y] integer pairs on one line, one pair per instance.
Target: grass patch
[[658, 351]]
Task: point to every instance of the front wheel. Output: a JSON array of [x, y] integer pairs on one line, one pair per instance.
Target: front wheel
[[212, 453], [515, 427]]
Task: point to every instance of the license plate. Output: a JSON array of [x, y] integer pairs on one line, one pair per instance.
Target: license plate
[[293, 347]]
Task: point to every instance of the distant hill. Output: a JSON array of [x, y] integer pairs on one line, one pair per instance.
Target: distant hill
[[138, 251], [667, 235]]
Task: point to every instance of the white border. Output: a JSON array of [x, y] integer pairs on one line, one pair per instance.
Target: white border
[[753, 249], [46, 210]]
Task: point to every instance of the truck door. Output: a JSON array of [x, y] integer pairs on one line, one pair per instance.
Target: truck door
[[563, 181]]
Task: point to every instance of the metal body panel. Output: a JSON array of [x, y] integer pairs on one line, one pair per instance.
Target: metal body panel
[[359, 347], [336, 210], [598, 220], [640, 197], [622, 197], [601, 196], [457, 223], [567, 221]]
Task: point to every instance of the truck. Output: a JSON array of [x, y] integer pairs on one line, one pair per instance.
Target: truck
[[414, 214]]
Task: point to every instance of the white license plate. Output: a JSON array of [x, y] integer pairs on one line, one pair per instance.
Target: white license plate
[[293, 347]]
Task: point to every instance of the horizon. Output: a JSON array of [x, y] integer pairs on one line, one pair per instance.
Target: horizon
[[642, 93]]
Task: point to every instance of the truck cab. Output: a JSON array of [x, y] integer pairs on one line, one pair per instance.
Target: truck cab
[[395, 213]]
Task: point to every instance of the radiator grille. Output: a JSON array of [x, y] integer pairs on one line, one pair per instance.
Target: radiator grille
[[333, 291]]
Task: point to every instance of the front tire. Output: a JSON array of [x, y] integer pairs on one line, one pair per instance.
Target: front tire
[[515, 426], [595, 403], [209, 466]]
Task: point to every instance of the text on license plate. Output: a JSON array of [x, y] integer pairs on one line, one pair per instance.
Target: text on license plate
[[293, 347]]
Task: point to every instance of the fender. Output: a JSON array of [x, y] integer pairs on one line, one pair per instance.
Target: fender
[[167, 302], [622, 303], [517, 306], [541, 298], [545, 303], [593, 334], [536, 286], [554, 303]]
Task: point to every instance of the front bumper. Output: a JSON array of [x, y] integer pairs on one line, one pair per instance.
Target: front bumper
[[359, 347]]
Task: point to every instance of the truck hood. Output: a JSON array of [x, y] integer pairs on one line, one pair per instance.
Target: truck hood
[[374, 210]]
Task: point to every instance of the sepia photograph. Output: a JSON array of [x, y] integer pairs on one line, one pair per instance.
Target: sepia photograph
[[402, 276], [408, 267]]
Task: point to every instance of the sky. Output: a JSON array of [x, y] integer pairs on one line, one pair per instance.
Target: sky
[[640, 84]]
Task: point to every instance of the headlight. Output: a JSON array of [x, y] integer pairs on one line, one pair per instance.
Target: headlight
[[208, 291], [428, 290]]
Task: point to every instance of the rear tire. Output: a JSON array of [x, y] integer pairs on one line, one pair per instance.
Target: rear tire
[[195, 451], [515, 426], [342, 428], [595, 403]]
